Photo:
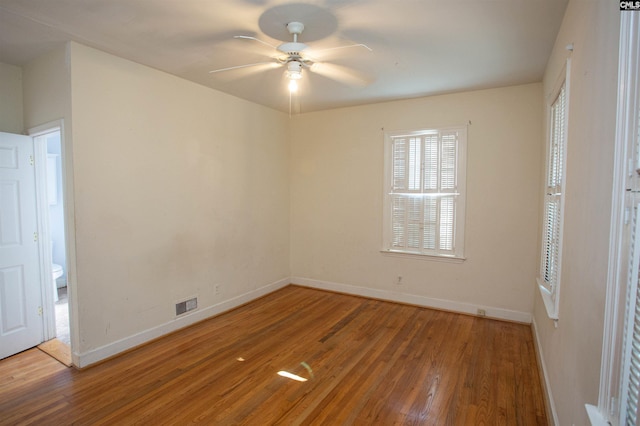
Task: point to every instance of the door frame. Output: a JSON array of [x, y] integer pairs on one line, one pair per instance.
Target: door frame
[[40, 154]]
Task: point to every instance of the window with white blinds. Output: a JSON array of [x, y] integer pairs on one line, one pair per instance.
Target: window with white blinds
[[553, 201], [424, 192]]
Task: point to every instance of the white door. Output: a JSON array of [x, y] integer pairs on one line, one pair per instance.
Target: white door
[[21, 324]]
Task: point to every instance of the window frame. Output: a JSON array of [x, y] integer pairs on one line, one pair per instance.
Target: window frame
[[550, 247], [622, 297], [457, 254]]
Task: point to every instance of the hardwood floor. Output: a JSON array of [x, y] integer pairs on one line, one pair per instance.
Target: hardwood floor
[[366, 362]]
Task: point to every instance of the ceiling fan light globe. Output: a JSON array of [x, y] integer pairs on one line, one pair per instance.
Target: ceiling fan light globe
[[294, 70]]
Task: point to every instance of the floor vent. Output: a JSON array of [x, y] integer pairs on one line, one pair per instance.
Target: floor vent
[[186, 306]]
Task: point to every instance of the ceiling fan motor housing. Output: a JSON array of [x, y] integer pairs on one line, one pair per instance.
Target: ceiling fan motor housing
[[293, 48]]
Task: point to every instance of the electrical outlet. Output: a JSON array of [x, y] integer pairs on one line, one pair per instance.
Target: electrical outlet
[[399, 280], [482, 313], [217, 289]]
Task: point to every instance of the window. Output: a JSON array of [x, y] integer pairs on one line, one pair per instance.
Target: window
[[425, 192], [549, 279]]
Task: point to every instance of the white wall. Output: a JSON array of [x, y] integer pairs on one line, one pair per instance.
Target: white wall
[[46, 89], [47, 98], [336, 201], [572, 351], [11, 99], [178, 189]]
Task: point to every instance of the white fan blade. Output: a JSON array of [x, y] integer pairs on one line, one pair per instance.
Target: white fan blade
[[321, 53], [270, 63], [256, 39], [237, 73], [341, 74]]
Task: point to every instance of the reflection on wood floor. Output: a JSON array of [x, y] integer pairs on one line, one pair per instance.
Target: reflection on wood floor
[[363, 361]]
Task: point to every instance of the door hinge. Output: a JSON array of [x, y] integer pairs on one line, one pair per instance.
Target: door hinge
[[35, 237], [40, 310], [31, 160]]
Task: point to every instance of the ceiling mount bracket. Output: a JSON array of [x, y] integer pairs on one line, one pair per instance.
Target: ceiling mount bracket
[[295, 28]]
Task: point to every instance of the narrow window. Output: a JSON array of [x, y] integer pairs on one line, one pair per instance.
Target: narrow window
[[549, 279], [425, 192]]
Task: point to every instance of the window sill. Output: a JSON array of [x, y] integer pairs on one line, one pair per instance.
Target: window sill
[[432, 257], [595, 417], [549, 304]]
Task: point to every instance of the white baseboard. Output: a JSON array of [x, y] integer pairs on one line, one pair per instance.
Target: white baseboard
[[550, 404], [428, 302], [85, 359], [92, 356]]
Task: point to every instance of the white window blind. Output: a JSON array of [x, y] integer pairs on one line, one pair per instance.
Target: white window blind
[[631, 365], [424, 212], [553, 198]]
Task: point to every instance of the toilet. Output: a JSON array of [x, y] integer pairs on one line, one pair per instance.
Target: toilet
[[56, 272]]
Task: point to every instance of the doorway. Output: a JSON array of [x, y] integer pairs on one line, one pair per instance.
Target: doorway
[[48, 151]]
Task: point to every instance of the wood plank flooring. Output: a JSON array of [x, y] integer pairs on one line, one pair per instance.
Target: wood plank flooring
[[366, 362], [58, 350]]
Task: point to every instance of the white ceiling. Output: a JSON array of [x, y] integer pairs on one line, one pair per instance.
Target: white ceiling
[[420, 47]]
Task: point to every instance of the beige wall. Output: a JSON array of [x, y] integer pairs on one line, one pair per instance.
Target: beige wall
[[47, 98], [572, 351], [46, 89], [178, 189], [10, 99], [336, 199]]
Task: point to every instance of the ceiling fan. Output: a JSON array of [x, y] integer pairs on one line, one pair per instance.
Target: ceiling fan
[[294, 58]]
